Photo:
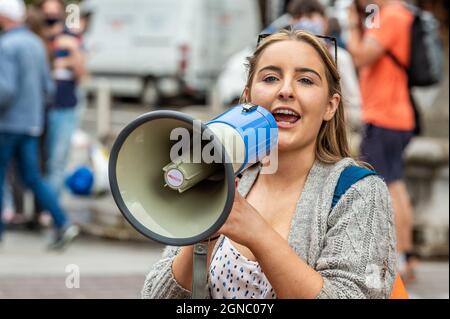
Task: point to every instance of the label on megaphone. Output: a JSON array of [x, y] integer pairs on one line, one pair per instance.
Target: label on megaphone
[[182, 174], [174, 178]]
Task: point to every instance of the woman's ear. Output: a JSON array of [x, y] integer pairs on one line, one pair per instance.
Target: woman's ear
[[246, 95], [332, 106]]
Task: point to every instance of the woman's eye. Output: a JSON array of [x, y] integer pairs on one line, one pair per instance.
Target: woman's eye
[[306, 81], [270, 79]]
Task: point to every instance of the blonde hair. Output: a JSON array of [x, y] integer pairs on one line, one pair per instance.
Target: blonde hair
[[332, 144]]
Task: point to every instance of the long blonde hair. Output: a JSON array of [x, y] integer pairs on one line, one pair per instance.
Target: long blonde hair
[[332, 144]]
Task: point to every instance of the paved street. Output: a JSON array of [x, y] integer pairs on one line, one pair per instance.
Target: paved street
[[114, 269], [107, 268]]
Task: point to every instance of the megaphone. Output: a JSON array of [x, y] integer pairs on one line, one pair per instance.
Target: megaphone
[[173, 177], [184, 200]]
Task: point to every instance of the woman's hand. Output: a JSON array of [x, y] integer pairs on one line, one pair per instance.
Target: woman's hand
[[244, 224]]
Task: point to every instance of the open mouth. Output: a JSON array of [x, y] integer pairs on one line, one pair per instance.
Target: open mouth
[[285, 116]]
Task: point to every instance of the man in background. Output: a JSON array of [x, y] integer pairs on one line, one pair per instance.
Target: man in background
[[387, 110], [25, 85]]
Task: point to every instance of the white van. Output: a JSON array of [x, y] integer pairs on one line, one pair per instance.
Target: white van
[[163, 48]]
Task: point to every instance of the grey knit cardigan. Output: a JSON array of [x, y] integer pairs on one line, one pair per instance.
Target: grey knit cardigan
[[352, 246]]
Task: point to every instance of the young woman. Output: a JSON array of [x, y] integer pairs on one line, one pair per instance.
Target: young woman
[[283, 239]]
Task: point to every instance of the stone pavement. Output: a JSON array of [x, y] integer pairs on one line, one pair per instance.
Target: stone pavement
[[116, 269], [106, 268]]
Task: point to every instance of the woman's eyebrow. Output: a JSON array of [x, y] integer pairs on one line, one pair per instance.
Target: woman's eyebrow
[[303, 70], [271, 68], [299, 70]]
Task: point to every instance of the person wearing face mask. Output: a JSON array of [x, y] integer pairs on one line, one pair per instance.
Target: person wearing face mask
[[288, 236]]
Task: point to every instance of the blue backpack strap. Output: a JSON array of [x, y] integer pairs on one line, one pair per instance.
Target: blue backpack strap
[[349, 176]]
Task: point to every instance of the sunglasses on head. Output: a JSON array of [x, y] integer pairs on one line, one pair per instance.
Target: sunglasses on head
[[262, 36]]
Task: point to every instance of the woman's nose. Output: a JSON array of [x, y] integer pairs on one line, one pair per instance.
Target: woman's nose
[[286, 92]]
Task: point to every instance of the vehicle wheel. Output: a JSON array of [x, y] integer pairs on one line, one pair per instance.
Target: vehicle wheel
[[150, 96]]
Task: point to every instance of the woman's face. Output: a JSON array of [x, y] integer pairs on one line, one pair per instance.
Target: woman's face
[[290, 82]]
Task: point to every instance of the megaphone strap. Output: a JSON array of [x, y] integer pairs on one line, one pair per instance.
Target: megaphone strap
[[199, 271], [248, 179]]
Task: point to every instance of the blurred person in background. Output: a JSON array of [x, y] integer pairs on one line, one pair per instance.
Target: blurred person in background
[[13, 194], [387, 110], [68, 71], [25, 84], [13, 197]]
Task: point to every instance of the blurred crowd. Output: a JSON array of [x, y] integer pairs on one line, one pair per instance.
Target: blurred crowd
[[43, 66]]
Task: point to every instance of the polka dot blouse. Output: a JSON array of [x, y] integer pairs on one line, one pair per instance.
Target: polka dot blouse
[[233, 276]]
